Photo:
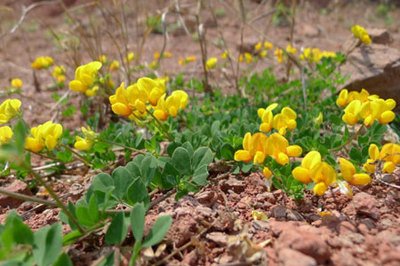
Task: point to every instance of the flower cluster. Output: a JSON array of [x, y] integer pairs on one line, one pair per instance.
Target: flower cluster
[[262, 48], [16, 83], [42, 62], [6, 134], [9, 109], [85, 143], [59, 74], [314, 55], [187, 60], [361, 34], [211, 63], [86, 77], [366, 107], [283, 121], [135, 101], [389, 155], [313, 169], [43, 136]]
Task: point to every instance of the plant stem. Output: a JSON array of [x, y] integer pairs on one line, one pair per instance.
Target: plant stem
[[121, 145], [58, 201], [161, 126], [27, 198], [77, 155], [349, 140]]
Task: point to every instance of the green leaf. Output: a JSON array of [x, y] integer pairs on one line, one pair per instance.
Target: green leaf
[[181, 161], [200, 175], [70, 237], [48, 244], [102, 182], [118, 230], [122, 179], [227, 151], [14, 232], [63, 260], [137, 221], [202, 156], [87, 213], [158, 231], [137, 192]]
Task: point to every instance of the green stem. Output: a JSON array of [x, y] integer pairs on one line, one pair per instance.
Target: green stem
[[349, 140], [27, 198], [120, 145], [58, 201], [77, 155], [161, 126]]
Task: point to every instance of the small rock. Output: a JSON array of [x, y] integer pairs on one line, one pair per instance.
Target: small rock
[[17, 187], [344, 258], [206, 198], [306, 242], [293, 215], [345, 227], [218, 237], [204, 211], [278, 212], [233, 184], [380, 36], [290, 257], [375, 68], [310, 31], [366, 204]]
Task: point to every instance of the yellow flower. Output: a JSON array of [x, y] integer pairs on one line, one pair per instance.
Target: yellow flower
[[290, 49], [278, 148], [254, 148], [114, 65], [322, 175], [370, 165], [85, 78], [16, 83], [279, 55], [6, 134], [129, 57], [351, 112], [225, 54], [59, 73], [390, 154], [211, 63], [102, 59], [170, 106], [86, 143], [304, 172], [349, 173], [129, 102], [248, 57], [378, 109], [154, 65], [258, 46], [319, 119], [285, 120], [188, 59], [266, 116], [44, 135], [263, 53], [267, 173], [166, 54], [268, 45], [9, 109], [42, 62], [311, 55], [361, 34]]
